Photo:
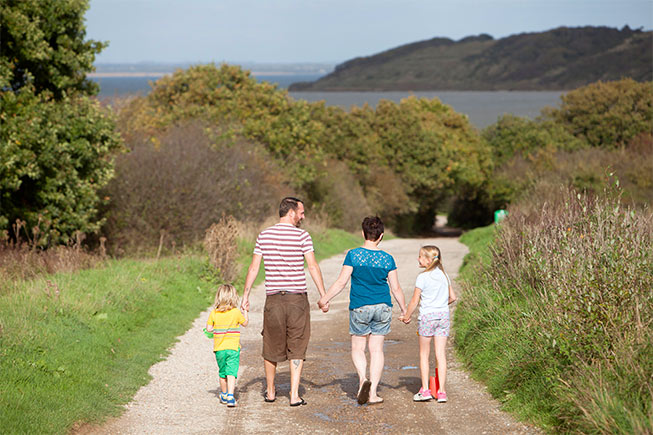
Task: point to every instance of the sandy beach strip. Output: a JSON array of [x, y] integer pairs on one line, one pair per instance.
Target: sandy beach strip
[[128, 74], [162, 74]]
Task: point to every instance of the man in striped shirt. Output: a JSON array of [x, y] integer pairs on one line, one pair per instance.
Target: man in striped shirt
[[286, 316]]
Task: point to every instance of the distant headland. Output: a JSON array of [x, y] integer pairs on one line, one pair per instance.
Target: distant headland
[[558, 59]]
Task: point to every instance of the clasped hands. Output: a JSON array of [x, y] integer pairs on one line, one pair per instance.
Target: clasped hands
[[404, 317], [324, 305]]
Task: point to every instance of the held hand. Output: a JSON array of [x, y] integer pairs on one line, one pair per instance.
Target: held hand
[[244, 305], [324, 306]]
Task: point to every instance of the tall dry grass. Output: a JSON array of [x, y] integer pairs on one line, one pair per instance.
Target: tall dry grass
[[24, 255], [221, 244], [560, 319]]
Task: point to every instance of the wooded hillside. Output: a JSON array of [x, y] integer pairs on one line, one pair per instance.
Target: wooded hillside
[[562, 58]]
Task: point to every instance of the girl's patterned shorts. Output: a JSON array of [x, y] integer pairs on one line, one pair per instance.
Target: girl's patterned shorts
[[434, 324]]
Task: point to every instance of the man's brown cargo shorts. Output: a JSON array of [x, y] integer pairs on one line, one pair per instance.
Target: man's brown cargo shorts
[[286, 326]]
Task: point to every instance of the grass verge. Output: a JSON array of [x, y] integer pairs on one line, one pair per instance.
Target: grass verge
[[74, 347], [557, 313]]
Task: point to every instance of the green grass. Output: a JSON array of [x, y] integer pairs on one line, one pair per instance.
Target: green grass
[[555, 317], [488, 358], [77, 356], [478, 241]]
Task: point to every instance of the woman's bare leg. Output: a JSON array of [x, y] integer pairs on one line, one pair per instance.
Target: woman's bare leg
[[376, 365], [358, 343]]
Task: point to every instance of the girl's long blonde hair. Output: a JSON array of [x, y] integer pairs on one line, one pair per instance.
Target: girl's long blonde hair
[[432, 253], [226, 298]]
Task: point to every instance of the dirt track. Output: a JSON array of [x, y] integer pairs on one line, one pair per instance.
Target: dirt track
[[181, 398]]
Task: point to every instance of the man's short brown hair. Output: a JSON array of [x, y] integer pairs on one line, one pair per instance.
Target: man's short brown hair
[[372, 228], [287, 204]]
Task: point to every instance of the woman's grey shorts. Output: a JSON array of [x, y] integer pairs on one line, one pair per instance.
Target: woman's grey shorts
[[370, 319]]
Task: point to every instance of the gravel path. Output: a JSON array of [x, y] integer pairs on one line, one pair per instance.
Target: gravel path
[[181, 398]]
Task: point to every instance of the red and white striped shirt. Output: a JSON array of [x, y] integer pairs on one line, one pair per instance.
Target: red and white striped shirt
[[283, 247]]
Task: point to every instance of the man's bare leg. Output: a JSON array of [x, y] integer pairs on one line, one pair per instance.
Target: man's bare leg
[[270, 373], [296, 366]]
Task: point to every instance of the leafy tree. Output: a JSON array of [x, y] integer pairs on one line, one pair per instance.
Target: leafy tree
[[406, 157], [56, 143], [513, 135], [607, 114], [229, 96], [54, 156], [42, 44], [435, 152]]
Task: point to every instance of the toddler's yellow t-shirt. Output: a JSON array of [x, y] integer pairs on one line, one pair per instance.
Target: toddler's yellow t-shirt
[[226, 328]]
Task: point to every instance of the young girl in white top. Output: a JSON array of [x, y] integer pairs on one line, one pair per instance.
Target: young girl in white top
[[434, 293]]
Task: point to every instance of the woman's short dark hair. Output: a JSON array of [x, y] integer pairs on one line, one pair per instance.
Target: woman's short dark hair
[[287, 204], [372, 228]]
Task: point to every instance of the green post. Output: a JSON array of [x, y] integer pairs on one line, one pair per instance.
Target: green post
[[499, 215]]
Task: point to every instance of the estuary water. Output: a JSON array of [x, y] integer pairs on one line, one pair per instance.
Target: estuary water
[[482, 107]]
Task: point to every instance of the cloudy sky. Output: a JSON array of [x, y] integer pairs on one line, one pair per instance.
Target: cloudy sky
[[330, 31]]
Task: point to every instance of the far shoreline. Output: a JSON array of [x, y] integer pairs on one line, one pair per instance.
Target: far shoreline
[[119, 74]]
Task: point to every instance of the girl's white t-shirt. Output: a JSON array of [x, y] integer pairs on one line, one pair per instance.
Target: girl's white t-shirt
[[435, 291]]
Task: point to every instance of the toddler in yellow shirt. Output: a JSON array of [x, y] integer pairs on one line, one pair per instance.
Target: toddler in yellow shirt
[[224, 322]]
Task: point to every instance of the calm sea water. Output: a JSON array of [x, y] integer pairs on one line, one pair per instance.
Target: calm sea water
[[482, 107], [117, 86]]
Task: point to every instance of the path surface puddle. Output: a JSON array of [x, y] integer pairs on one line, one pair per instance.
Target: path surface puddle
[[323, 416]]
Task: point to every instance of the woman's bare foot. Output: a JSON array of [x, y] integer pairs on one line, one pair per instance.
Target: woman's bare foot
[[373, 400]]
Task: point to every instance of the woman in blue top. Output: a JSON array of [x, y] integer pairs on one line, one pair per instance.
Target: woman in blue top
[[370, 306]]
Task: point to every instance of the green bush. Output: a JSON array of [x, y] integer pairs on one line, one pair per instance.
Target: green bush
[[598, 129], [585, 169], [434, 151], [405, 158], [513, 135], [558, 322], [54, 157], [193, 177], [607, 114], [228, 95], [56, 144]]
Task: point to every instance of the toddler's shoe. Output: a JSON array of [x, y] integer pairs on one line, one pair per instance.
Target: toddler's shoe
[[442, 397], [223, 397], [231, 402], [422, 396]]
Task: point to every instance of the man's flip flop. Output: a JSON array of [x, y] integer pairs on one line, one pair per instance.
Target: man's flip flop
[[364, 393], [301, 402], [269, 400], [375, 403]]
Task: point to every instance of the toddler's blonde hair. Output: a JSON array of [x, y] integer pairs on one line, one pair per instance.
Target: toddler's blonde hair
[[432, 252], [226, 298]]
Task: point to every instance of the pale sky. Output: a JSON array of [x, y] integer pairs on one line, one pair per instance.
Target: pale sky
[[331, 31]]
